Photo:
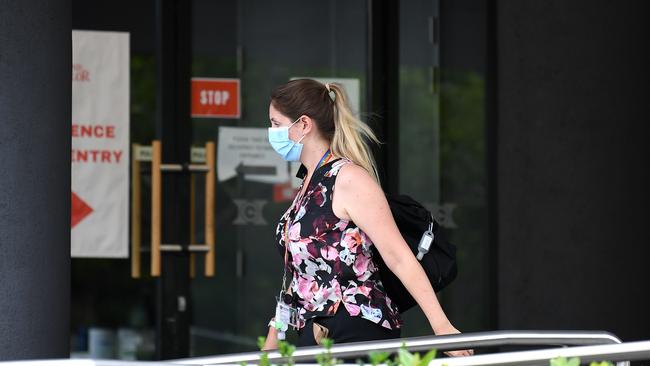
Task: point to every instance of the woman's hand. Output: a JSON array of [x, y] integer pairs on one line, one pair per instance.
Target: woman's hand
[[449, 329], [271, 340]]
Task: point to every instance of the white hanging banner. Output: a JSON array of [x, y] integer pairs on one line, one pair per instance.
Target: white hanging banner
[[100, 144]]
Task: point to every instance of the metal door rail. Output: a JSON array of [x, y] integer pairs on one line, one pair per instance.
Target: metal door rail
[[84, 362], [619, 353], [590, 346], [418, 344]]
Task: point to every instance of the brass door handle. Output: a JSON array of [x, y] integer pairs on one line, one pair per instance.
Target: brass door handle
[[154, 155]]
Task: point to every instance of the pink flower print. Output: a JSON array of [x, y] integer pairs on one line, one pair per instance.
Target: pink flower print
[[296, 259], [314, 266], [349, 292], [300, 214], [335, 167], [351, 240], [298, 252], [308, 306], [294, 232], [332, 258], [326, 294], [367, 243], [311, 248], [372, 268], [335, 237], [321, 225], [334, 283], [329, 253], [341, 225], [333, 296], [365, 290], [306, 288], [318, 297], [338, 266], [353, 309], [319, 195], [323, 266], [361, 265], [334, 308], [389, 303], [346, 257]]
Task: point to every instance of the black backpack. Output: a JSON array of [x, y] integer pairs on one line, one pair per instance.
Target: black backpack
[[413, 221]]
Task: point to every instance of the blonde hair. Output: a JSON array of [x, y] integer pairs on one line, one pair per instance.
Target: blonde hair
[[351, 134], [327, 104]]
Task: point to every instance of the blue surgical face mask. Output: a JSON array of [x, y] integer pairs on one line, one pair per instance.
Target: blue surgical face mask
[[283, 145]]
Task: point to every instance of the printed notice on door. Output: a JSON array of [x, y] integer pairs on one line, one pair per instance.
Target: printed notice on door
[[245, 152], [100, 144]]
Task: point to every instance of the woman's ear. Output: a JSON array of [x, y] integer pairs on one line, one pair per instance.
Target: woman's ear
[[307, 124]]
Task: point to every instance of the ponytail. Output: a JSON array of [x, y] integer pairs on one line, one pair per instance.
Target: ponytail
[[328, 106], [351, 135]]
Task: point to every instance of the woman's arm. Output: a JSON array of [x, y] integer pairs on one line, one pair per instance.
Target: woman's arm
[[359, 198], [271, 342]]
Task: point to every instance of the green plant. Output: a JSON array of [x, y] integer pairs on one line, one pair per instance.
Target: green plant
[[325, 358], [286, 350], [264, 358], [402, 358], [563, 361], [575, 361], [377, 357], [406, 358]]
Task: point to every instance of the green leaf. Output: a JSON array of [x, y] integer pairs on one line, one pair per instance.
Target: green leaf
[[416, 359], [573, 362], [428, 357], [558, 361], [405, 357], [264, 360], [282, 348], [563, 361], [327, 343], [260, 342], [377, 357]]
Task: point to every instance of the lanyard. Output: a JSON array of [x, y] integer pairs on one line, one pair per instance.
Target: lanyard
[[324, 159]]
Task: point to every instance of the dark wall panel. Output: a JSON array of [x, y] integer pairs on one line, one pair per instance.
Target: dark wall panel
[[35, 103], [573, 155]]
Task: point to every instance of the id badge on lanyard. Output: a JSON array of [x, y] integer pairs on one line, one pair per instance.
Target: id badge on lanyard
[[285, 314]]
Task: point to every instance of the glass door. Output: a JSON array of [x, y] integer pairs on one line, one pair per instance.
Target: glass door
[[262, 44], [442, 144]]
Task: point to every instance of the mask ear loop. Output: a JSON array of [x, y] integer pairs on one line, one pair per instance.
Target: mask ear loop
[[294, 122]]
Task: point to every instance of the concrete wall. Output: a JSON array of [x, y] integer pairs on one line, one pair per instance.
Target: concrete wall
[[35, 101], [572, 166]]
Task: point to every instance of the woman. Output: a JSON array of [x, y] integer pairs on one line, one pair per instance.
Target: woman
[[339, 212]]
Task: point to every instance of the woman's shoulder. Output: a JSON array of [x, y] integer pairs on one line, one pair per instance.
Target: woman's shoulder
[[350, 174]]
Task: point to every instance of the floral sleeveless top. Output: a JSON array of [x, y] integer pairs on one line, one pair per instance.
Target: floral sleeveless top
[[330, 259]]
